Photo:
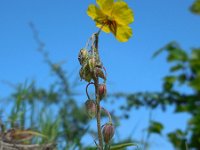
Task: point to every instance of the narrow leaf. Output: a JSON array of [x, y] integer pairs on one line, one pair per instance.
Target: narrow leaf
[[120, 146]]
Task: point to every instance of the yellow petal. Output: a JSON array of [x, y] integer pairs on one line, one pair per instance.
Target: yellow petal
[[95, 13], [122, 14], [105, 5], [105, 28], [123, 33]]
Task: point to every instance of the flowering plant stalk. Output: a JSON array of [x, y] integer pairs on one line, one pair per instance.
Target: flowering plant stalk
[[113, 17]]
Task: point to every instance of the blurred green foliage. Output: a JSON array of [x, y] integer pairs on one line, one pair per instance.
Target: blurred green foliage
[[195, 8], [155, 127], [52, 111]]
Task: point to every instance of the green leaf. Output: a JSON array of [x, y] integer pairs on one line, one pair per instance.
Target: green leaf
[[177, 55], [169, 81], [166, 47], [176, 67], [194, 61], [155, 127], [182, 78], [177, 138], [122, 146], [90, 148], [196, 83], [181, 108]]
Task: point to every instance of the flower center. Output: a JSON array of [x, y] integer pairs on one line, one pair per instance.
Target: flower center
[[112, 25]]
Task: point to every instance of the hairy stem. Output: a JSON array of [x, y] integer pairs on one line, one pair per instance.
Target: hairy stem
[[98, 116], [96, 84]]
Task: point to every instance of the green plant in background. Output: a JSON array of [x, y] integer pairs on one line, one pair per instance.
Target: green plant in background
[[114, 17], [44, 111]]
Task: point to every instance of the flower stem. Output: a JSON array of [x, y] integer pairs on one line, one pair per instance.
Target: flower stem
[[108, 114], [87, 90], [96, 84], [98, 116]]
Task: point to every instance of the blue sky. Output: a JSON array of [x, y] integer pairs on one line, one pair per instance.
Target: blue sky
[[65, 27]]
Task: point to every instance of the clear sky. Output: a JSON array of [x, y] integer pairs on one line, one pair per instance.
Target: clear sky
[[65, 27]]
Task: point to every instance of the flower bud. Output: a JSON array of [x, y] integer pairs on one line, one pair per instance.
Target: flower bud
[[99, 73], [85, 73], [82, 56], [90, 108], [81, 73], [92, 63], [102, 91], [108, 132]]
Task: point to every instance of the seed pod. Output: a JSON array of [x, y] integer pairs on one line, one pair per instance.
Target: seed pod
[[82, 56], [90, 108], [92, 63], [108, 132], [102, 91]]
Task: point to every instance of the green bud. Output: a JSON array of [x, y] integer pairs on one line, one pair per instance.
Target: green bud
[[85, 73], [92, 63], [82, 56]]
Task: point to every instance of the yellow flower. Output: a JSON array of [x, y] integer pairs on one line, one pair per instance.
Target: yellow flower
[[112, 17]]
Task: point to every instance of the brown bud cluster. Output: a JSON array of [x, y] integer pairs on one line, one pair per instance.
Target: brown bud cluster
[[90, 67], [108, 132]]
